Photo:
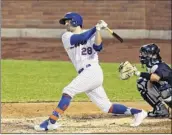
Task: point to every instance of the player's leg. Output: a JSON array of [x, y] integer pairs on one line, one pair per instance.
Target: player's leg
[[166, 94], [99, 97], [153, 98], [50, 123], [89, 79]]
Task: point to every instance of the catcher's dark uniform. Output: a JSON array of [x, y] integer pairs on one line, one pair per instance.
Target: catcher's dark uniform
[[165, 73], [158, 91], [165, 83]]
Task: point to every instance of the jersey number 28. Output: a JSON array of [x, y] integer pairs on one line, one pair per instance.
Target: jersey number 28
[[87, 50]]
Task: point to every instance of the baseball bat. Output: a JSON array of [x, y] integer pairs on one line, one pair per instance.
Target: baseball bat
[[114, 34]]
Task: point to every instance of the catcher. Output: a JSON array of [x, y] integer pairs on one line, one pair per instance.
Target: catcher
[[155, 85]]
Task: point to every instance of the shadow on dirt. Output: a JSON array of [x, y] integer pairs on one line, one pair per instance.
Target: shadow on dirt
[[95, 116]]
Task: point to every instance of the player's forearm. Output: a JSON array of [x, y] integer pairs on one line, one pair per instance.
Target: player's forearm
[[83, 37], [98, 38], [152, 77], [98, 46]]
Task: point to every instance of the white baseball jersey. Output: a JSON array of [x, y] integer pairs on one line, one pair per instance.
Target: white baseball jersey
[[82, 54], [91, 79]]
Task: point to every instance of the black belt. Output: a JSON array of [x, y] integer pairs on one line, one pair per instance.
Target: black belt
[[82, 69]]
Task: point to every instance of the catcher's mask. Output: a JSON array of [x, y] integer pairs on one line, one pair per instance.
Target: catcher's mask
[[149, 55], [144, 59]]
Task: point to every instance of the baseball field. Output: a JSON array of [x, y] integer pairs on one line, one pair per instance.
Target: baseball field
[[35, 71]]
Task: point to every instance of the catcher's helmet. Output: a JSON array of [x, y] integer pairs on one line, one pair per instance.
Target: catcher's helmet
[[153, 49], [76, 19], [149, 54], [143, 54]]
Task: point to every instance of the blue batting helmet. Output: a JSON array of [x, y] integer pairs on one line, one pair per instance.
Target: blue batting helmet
[[76, 19]]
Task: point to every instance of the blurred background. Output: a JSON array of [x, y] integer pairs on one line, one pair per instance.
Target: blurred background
[[30, 28]]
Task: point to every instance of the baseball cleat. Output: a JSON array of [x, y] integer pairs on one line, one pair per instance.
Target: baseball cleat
[[159, 114], [138, 118], [162, 111], [46, 125]]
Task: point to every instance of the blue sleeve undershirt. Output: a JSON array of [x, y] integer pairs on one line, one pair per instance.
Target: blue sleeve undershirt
[[83, 37], [98, 48]]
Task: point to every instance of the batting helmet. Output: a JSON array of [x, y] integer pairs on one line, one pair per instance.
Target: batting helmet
[[76, 19]]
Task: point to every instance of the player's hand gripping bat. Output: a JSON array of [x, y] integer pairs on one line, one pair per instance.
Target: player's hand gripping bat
[[114, 34]]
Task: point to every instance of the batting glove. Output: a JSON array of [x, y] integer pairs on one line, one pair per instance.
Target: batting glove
[[98, 27], [103, 24]]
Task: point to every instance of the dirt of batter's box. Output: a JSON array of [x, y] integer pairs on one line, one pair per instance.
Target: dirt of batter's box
[[80, 117], [52, 49]]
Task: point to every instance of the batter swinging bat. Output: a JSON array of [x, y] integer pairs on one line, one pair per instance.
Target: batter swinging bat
[[114, 34]]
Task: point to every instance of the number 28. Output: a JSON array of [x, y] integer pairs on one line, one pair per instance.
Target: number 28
[[87, 50]]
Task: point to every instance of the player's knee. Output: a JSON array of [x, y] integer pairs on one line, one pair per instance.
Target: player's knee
[[69, 91], [142, 85], [166, 92], [67, 95]]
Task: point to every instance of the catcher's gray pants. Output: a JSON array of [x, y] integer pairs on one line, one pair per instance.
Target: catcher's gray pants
[[149, 94]]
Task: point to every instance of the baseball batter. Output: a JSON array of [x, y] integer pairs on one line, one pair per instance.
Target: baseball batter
[[82, 48]]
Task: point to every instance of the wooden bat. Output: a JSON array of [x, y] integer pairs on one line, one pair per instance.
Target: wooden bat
[[114, 34]]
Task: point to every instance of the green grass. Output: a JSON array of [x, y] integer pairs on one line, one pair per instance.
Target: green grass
[[31, 81]]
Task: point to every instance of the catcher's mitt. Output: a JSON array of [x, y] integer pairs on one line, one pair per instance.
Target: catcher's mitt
[[126, 70]]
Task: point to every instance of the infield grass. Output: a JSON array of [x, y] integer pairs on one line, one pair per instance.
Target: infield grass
[[33, 81]]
